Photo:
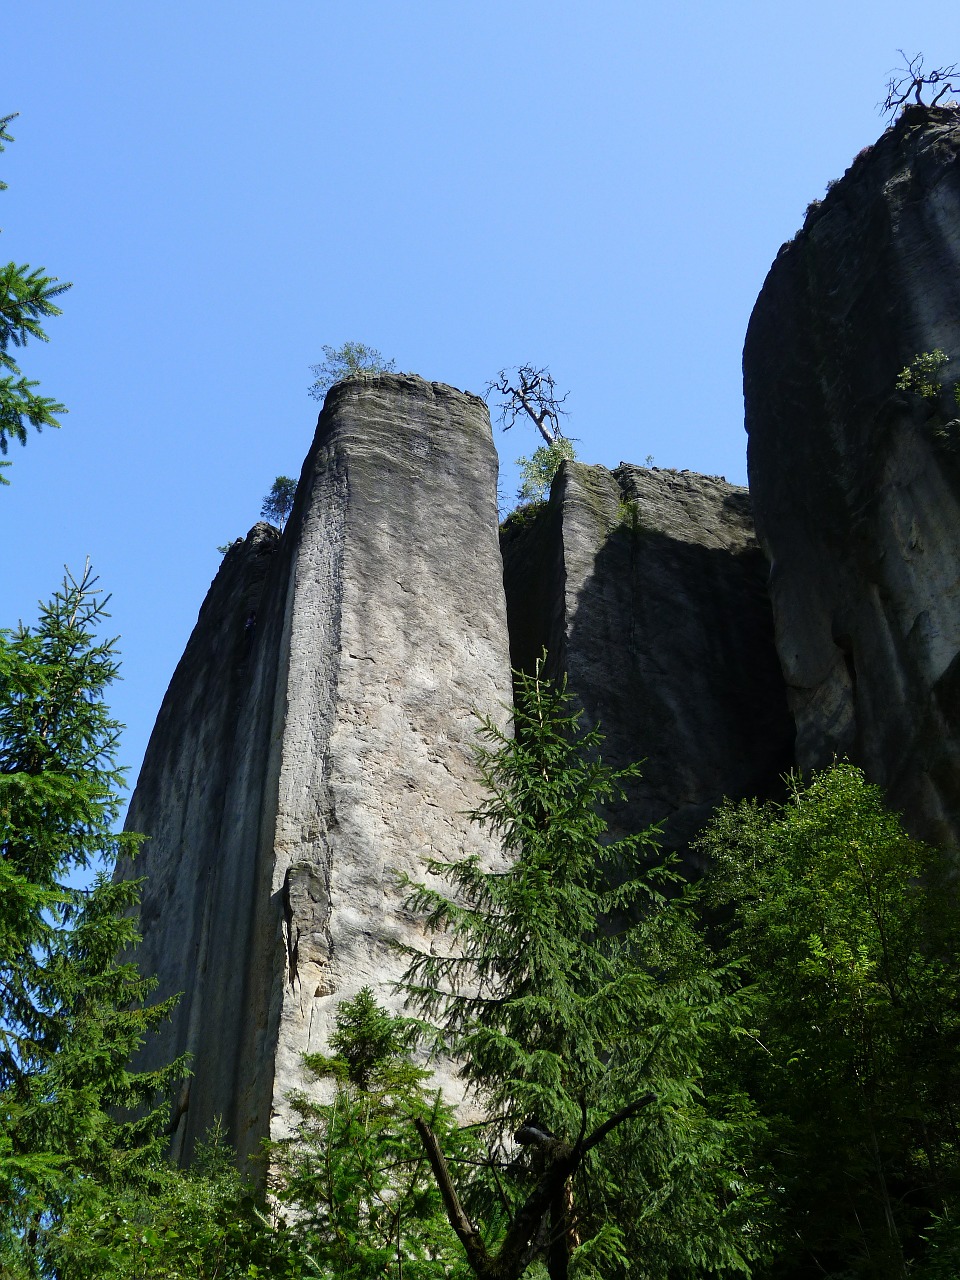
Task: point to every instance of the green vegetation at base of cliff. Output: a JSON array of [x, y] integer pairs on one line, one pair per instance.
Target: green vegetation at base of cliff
[[749, 1077]]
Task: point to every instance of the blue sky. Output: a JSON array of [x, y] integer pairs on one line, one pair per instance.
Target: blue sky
[[599, 188]]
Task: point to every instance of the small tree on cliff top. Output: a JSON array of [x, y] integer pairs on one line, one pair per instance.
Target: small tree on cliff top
[[531, 391], [278, 503], [343, 362]]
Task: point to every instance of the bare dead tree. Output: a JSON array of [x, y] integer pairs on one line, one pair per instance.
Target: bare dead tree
[[531, 391], [912, 79], [540, 1226]]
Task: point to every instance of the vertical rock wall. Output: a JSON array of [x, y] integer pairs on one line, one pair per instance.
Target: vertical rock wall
[[646, 587], [295, 774], [855, 485]]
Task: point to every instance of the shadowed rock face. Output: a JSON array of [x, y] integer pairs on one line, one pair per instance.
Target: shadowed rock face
[[296, 771], [856, 486], [646, 587]]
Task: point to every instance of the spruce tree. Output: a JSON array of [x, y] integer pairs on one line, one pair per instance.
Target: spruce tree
[[73, 1011], [573, 988]]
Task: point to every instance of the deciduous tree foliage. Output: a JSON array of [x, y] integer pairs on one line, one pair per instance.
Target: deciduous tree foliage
[[364, 1204], [537, 471], [26, 299], [849, 930], [572, 985]]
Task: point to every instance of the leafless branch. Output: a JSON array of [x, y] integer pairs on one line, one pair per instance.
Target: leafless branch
[[529, 1231], [467, 1233], [531, 391], [912, 79]]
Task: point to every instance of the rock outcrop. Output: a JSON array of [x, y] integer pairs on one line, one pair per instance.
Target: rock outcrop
[[300, 766], [856, 485], [647, 589]]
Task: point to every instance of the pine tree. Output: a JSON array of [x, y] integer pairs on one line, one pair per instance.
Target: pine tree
[[344, 362], [26, 298], [278, 503], [574, 990], [72, 1010]]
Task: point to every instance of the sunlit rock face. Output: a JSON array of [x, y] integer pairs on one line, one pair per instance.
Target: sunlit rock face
[[856, 485], [647, 589], [308, 757]]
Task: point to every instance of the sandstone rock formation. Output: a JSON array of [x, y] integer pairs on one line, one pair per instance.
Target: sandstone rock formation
[[647, 589], [300, 766], [855, 485]]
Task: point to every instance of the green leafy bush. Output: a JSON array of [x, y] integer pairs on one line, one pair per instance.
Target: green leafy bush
[[537, 471], [849, 930], [922, 376]]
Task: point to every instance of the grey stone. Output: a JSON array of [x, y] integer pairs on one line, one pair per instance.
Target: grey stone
[[646, 588], [856, 486], [297, 772]]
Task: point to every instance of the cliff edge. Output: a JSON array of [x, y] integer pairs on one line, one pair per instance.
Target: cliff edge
[[856, 485]]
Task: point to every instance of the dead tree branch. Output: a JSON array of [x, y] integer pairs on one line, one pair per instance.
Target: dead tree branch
[[912, 79], [531, 391], [531, 1229]]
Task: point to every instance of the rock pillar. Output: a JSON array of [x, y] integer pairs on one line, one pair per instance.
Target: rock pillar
[[301, 767]]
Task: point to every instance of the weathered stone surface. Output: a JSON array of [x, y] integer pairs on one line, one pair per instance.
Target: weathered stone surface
[[294, 775], [856, 486], [646, 587]]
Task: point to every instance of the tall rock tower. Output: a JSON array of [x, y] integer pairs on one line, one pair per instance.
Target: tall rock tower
[[648, 590], [856, 484], [316, 744]]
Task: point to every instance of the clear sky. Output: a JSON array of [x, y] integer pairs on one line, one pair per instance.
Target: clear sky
[[598, 187]]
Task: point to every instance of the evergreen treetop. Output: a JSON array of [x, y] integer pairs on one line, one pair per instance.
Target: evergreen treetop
[[588, 1017], [73, 1012], [26, 299]]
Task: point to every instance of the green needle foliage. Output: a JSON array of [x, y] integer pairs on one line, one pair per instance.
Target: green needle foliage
[[278, 503], [26, 299], [586, 1013], [850, 931], [204, 1223], [71, 1013], [343, 362], [355, 1174]]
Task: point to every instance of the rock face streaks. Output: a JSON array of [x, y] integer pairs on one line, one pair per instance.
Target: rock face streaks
[[647, 589], [856, 486], [295, 773]]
